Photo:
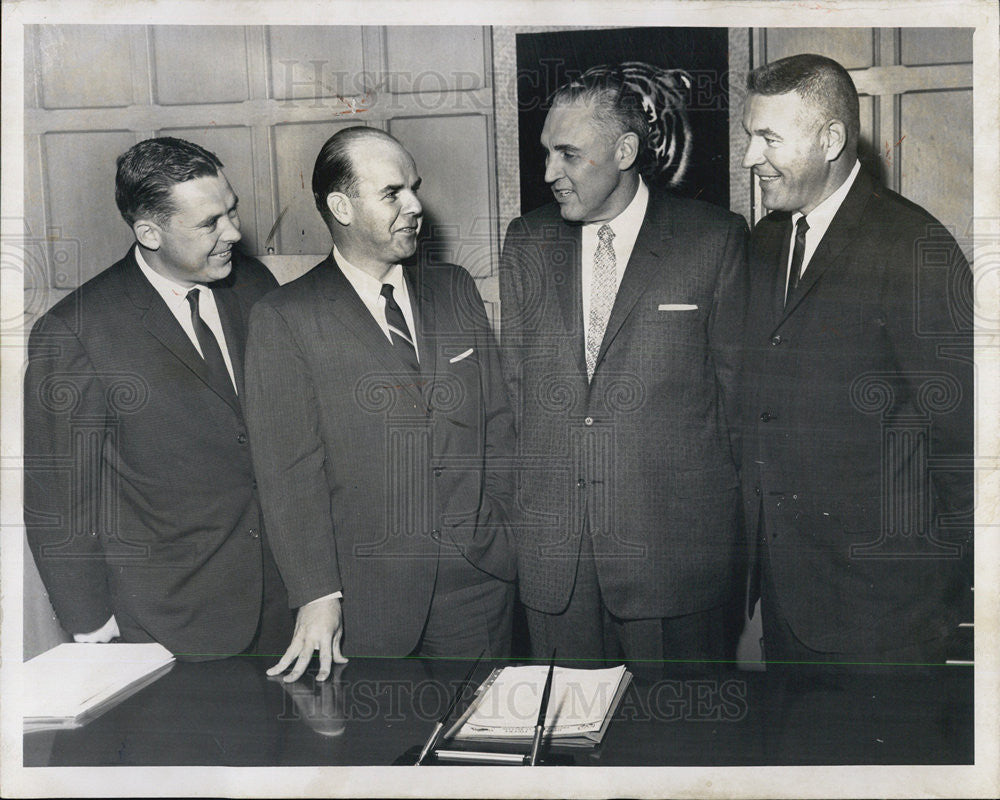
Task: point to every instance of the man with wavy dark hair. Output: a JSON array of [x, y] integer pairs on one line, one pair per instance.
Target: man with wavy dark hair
[[858, 392], [622, 308], [140, 502]]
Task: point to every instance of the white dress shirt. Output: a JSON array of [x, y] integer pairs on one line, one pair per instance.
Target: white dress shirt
[[175, 296], [819, 220], [626, 229], [369, 289]]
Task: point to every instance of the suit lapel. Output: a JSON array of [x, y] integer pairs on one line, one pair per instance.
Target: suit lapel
[[231, 314], [650, 250], [841, 232], [779, 274], [163, 325], [354, 316], [425, 325]]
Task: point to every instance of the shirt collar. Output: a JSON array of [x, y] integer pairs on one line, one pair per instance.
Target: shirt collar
[[627, 223], [172, 292], [368, 287], [821, 216]]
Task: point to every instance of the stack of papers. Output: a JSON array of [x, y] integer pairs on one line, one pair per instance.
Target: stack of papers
[[71, 684], [581, 706]]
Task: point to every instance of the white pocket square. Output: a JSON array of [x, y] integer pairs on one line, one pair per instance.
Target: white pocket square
[[676, 307], [460, 356]]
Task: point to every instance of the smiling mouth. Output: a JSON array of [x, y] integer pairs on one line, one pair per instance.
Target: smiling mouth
[[225, 254], [562, 194], [766, 179]]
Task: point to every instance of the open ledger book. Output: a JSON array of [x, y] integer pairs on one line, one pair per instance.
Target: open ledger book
[[505, 707], [71, 684]]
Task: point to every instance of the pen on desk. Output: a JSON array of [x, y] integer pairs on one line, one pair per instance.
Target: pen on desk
[[439, 725], [543, 708]]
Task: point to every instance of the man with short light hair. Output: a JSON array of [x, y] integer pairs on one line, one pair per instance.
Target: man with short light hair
[[858, 377]]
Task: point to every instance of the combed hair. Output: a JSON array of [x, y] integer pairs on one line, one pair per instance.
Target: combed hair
[[334, 170], [819, 80], [645, 100], [148, 171]]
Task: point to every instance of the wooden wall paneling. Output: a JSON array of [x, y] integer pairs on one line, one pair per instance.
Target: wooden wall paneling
[[935, 160], [852, 47], [197, 64], [436, 58], [306, 62], [81, 207], [920, 46], [84, 66]]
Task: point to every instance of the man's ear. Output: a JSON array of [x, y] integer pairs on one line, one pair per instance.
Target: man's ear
[[340, 207], [147, 233], [834, 139], [627, 150]]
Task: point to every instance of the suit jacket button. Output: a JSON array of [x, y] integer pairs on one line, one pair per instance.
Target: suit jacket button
[[437, 472], [756, 490], [588, 421], [253, 533], [775, 341], [766, 417], [581, 482], [241, 437], [436, 535]]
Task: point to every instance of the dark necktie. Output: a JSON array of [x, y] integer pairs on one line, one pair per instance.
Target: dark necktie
[[397, 328], [798, 253], [210, 349]]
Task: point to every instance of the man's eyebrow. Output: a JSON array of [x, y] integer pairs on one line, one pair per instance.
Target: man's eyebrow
[[395, 187], [767, 132], [566, 148], [213, 218]]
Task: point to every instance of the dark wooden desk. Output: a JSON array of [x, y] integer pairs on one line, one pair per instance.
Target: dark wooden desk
[[228, 713]]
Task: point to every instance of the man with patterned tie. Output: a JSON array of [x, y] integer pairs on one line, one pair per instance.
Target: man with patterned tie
[[140, 503], [857, 392], [621, 312], [380, 423]]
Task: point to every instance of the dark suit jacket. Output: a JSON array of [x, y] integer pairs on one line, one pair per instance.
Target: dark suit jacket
[[368, 473], [139, 490], [642, 457], [859, 414]]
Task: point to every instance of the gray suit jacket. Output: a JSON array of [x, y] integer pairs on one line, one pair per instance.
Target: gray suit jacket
[[643, 459]]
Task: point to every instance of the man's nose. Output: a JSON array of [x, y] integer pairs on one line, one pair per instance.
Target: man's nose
[[552, 171], [753, 155], [411, 204], [231, 228]]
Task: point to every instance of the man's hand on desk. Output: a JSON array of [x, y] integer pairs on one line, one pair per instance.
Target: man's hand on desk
[[104, 634], [318, 626]]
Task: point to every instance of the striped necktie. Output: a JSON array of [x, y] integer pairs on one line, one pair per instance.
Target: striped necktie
[[400, 334]]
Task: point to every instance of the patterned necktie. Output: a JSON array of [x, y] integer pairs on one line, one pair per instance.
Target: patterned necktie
[[210, 349], [603, 288], [798, 254], [397, 328]]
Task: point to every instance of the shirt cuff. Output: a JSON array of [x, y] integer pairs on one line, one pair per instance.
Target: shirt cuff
[[332, 596]]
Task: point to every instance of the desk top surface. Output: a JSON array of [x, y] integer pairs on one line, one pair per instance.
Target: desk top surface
[[228, 713]]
